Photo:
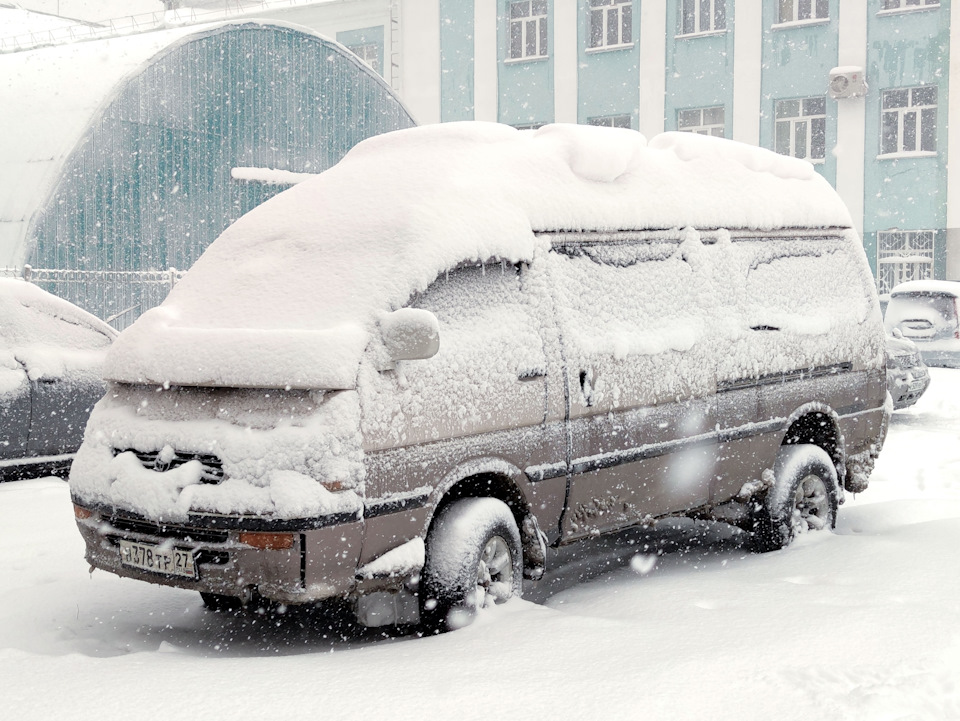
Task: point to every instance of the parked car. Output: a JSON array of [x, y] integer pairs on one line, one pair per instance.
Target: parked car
[[51, 353], [907, 375], [406, 381], [926, 312]]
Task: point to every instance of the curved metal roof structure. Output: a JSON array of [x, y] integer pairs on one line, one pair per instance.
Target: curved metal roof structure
[[121, 155]]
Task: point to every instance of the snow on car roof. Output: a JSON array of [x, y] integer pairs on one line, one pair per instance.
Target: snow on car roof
[[16, 293], [945, 287], [289, 294]]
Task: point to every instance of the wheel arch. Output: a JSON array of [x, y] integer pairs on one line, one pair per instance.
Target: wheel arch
[[492, 478], [818, 424]]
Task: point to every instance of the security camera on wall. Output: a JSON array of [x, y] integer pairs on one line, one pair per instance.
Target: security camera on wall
[[847, 82]]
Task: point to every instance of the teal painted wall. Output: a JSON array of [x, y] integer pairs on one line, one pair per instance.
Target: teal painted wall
[[796, 64], [699, 69], [905, 50], [609, 80], [149, 187], [525, 86], [456, 60]]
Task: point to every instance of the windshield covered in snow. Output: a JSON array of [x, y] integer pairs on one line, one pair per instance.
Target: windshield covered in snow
[[921, 314]]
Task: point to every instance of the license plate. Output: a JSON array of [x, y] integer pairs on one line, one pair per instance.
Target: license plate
[[915, 386], [149, 557]]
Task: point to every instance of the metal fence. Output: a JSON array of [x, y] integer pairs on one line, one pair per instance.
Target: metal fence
[[118, 296]]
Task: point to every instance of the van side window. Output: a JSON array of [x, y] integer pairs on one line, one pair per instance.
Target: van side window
[[629, 311], [489, 372]]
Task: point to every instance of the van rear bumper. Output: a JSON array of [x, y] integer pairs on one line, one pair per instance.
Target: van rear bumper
[[317, 560]]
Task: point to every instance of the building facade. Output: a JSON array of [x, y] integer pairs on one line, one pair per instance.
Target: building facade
[[757, 71]]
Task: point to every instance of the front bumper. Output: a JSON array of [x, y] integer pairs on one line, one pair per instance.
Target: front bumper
[[320, 563]]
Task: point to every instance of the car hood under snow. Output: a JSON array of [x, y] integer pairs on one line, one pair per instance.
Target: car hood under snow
[[290, 295]]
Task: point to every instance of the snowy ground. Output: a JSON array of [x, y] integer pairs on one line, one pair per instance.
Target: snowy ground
[[860, 624]]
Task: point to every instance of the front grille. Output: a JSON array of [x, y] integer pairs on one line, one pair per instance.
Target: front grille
[[212, 465], [165, 530]]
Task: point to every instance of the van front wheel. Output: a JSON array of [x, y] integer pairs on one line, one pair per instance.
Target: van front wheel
[[474, 560], [804, 497]]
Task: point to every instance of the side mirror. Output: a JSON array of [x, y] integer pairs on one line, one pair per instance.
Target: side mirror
[[410, 334]]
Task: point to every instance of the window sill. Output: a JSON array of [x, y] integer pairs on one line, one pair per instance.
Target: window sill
[[905, 10], [800, 24], [608, 48], [915, 154], [529, 59], [706, 34]]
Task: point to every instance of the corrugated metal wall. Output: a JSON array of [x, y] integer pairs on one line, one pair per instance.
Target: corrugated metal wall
[[150, 188]]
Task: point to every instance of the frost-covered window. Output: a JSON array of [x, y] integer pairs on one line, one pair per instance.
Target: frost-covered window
[[903, 255], [703, 121], [528, 29], [369, 53], [488, 374], [909, 120], [801, 128], [702, 16], [611, 121], [611, 23], [792, 11], [907, 4]]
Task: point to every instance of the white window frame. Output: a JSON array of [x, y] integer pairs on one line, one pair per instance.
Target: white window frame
[[369, 54], [533, 22], [705, 125], [611, 121], [801, 125], [911, 120], [906, 6], [714, 20], [802, 12], [610, 20], [904, 255]]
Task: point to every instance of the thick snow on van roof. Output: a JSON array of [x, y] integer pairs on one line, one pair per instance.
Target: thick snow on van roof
[[289, 295]]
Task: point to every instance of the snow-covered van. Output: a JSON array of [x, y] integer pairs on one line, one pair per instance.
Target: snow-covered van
[[403, 382]]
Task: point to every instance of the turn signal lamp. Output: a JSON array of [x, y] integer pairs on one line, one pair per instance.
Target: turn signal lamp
[[81, 513], [267, 541]]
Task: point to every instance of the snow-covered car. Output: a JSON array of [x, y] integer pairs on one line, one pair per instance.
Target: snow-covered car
[[927, 312], [406, 381], [907, 375], [51, 353]]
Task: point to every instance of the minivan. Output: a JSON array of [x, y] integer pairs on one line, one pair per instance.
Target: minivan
[[927, 312], [404, 383]]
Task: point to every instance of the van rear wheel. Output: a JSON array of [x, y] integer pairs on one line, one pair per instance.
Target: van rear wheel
[[804, 498], [474, 560]]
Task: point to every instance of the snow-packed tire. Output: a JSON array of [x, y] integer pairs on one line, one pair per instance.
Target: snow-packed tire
[[804, 497], [473, 560]]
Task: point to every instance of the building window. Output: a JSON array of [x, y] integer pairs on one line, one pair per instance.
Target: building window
[[903, 255], [611, 121], [611, 23], [703, 121], [369, 53], [909, 120], [793, 11], [702, 16], [528, 29], [907, 4], [801, 128]]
